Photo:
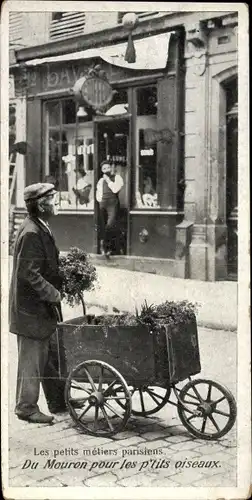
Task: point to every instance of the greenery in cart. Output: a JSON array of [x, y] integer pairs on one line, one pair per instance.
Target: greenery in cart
[[78, 275], [168, 313], [154, 316]]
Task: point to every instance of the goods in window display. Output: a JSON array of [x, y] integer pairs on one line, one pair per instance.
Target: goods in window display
[[82, 190], [65, 152]]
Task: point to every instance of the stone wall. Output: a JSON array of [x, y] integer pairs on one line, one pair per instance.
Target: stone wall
[[210, 59]]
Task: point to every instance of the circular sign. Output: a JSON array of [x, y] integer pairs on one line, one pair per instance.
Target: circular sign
[[96, 92]]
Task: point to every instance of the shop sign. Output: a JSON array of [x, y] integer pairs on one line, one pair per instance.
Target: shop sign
[[97, 93], [84, 149], [52, 77], [94, 89], [147, 152], [116, 159]]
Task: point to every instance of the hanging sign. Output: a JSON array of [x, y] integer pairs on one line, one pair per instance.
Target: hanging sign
[[147, 152], [121, 160], [94, 89]]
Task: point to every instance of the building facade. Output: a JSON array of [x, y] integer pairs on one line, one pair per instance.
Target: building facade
[[168, 122]]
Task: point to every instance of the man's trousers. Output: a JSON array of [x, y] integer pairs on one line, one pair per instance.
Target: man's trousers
[[39, 361], [109, 212]]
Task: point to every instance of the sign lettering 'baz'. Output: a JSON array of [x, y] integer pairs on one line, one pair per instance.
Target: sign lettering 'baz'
[[53, 77]]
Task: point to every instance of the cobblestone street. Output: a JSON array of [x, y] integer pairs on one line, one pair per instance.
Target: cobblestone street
[[151, 451]]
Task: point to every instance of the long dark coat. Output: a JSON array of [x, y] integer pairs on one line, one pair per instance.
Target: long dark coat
[[35, 282]]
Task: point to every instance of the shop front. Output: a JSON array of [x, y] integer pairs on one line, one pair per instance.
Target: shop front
[[168, 124], [137, 125]]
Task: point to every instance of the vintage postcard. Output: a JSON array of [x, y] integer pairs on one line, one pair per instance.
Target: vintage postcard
[[125, 250]]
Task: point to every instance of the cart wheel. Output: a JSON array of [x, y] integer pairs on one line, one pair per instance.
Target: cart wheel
[[208, 410], [91, 384], [147, 400]]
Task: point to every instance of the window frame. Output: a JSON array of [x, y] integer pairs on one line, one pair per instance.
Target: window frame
[[61, 127], [135, 152]]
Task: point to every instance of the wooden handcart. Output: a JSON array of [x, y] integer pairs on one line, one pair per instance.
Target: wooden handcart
[[116, 372]]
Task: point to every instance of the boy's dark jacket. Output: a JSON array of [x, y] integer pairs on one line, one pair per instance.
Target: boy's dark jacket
[[34, 291]]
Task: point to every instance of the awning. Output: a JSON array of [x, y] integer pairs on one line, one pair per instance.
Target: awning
[[151, 53]]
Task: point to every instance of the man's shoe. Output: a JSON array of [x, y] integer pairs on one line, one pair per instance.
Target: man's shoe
[[36, 418]]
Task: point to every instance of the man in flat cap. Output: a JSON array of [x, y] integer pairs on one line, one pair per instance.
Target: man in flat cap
[[35, 307]]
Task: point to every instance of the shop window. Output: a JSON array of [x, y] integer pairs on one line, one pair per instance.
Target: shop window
[[119, 103], [69, 155], [68, 111], [53, 109], [154, 148], [147, 101], [146, 194]]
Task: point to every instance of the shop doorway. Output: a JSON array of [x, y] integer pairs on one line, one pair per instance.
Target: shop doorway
[[232, 177], [112, 143]]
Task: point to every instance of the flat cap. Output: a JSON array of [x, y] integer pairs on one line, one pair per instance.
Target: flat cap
[[36, 191]]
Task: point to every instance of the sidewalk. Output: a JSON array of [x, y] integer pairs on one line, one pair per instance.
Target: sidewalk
[[126, 290]]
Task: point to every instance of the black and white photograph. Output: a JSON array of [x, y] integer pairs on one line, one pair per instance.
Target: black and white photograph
[[125, 250]]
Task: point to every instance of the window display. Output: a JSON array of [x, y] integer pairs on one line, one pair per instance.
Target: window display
[[69, 159], [69, 149], [146, 156], [153, 143], [147, 175]]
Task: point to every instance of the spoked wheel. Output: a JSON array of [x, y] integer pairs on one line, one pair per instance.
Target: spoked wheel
[[208, 410], [91, 385], [147, 400]]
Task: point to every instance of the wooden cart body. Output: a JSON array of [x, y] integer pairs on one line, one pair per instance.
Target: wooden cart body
[[140, 355], [109, 369]]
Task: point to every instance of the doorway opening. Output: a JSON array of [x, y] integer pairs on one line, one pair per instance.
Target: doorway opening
[[231, 89], [113, 145]]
